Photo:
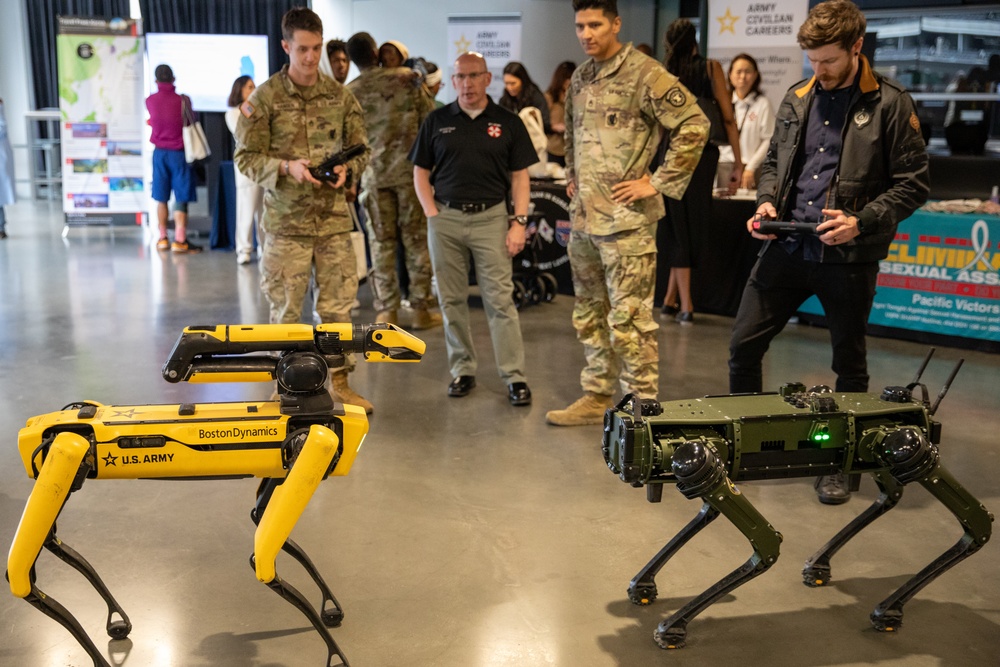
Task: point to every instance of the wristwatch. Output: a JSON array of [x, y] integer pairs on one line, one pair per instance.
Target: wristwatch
[[860, 225], [519, 219]]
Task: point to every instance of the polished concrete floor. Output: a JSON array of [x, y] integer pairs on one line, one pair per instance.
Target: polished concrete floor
[[468, 533]]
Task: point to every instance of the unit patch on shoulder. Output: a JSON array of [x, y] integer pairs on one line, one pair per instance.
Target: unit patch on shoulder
[[676, 97], [246, 109], [914, 121]]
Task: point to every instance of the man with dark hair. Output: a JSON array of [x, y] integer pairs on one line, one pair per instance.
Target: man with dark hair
[[617, 102], [291, 122], [467, 158], [847, 152], [335, 63], [171, 170], [393, 107]]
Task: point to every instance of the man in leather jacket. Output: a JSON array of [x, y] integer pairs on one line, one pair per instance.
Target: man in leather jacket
[[847, 152]]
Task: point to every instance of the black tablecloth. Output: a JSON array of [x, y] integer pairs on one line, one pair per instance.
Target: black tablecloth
[[224, 214], [549, 229], [728, 254]]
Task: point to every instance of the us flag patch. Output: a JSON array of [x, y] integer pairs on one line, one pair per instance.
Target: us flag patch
[[246, 109]]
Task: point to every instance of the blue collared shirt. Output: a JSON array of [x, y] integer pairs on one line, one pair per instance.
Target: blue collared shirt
[[821, 153]]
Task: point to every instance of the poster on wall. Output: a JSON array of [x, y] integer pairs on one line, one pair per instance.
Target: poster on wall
[[101, 107], [766, 31], [942, 276], [496, 36]]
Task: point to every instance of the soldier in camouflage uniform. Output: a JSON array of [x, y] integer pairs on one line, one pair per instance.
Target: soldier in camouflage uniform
[[293, 120], [394, 106], [615, 106]]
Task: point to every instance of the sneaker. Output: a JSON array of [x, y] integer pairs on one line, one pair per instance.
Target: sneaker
[[185, 247], [685, 318], [589, 409], [832, 489], [163, 244], [425, 319], [243, 258]]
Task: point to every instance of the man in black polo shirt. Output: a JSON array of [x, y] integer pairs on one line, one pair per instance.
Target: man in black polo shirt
[[468, 156]]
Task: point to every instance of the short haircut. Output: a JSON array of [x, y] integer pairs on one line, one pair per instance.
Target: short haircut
[[362, 49], [833, 22], [300, 18], [164, 74], [236, 94], [609, 7], [335, 45]]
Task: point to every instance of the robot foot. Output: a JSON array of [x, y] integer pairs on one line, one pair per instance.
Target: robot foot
[[670, 637], [815, 576], [642, 595], [887, 620]]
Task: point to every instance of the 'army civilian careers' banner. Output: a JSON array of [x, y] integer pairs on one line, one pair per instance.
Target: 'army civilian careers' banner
[[765, 30]]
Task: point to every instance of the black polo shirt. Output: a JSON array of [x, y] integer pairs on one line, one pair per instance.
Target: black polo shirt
[[471, 159]]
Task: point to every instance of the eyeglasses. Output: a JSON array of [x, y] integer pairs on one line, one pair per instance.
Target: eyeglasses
[[471, 76]]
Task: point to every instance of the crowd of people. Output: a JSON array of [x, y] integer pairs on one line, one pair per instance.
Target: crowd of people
[[442, 185]]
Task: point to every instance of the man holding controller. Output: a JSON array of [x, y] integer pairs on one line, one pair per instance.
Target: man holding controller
[[847, 153]]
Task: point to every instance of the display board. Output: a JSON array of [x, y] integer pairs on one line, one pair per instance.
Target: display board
[[496, 36], [101, 105], [942, 276]]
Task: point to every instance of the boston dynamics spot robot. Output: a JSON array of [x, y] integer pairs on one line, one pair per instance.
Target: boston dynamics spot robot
[[706, 445], [292, 444]]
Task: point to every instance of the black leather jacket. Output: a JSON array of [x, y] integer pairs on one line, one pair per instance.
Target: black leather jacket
[[882, 176]]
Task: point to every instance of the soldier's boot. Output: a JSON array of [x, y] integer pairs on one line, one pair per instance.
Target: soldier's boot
[[389, 316], [342, 392], [425, 319], [586, 410]]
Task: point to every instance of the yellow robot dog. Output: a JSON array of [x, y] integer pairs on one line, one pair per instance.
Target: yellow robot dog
[[292, 444]]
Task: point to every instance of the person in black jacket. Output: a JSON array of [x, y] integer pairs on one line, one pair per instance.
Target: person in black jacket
[[847, 152], [519, 91]]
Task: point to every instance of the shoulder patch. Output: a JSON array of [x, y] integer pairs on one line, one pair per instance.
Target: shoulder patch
[[914, 121], [247, 109], [676, 97]]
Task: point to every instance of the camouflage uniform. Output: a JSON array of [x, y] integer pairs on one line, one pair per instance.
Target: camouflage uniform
[[304, 227], [393, 111], [614, 110]]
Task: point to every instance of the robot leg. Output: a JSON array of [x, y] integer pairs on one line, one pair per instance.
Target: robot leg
[[283, 505], [700, 473], [63, 463], [912, 458]]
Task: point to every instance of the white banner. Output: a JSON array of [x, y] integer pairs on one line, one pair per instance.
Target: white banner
[[101, 104], [766, 31], [496, 36]]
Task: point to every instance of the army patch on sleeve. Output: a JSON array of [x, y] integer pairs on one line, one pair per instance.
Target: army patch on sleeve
[[246, 109], [676, 97], [914, 121]]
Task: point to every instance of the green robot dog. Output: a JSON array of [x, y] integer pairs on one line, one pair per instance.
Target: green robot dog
[[705, 445]]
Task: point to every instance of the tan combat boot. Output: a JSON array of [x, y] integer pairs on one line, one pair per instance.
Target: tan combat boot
[[389, 316], [587, 410], [341, 392], [425, 319]]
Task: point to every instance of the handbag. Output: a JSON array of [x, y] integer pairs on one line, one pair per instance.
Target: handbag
[[358, 243], [195, 141]]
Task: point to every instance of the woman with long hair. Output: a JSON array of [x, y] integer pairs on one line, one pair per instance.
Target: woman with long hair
[[520, 92], [678, 236], [555, 96], [754, 121], [249, 195]]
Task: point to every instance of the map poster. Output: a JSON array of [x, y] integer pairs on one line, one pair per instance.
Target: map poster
[[766, 31], [496, 36], [101, 105]]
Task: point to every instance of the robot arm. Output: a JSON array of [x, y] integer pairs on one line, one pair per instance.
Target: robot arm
[[237, 353]]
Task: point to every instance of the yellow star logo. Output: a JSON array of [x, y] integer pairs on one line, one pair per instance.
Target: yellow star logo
[[462, 45], [727, 22]]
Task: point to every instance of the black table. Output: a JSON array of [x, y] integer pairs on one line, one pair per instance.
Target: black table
[[728, 254]]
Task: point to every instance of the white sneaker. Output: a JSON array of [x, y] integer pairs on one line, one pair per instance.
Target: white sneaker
[[243, 258]]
